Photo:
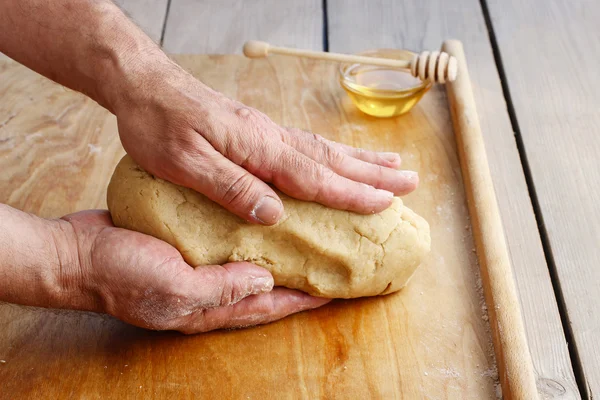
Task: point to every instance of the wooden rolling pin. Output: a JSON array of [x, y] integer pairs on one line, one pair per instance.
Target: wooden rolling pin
[[435, 66]]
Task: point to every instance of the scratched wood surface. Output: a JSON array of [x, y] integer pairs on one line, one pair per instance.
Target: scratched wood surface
[[550, 52], [423, 25], [431, 340]]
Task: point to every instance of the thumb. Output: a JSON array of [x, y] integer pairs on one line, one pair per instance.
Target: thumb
[[234, 188], [216, 285]]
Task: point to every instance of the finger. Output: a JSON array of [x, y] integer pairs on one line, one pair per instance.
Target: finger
[[231, 186], [397, 182], [301, 177], [253, 310], [217, 286], [385, 159], [90, 217]]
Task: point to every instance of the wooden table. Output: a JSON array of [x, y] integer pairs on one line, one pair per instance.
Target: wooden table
[[534, 70]]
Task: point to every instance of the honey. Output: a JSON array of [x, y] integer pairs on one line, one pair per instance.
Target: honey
[[382, 91]]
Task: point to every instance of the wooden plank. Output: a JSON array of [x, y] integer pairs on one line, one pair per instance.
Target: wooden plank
[[222, 26], [366, 348], [148, 14], [424, 25], [550, 52]]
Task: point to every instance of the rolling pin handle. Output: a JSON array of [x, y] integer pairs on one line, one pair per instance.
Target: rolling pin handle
[[256, 49]]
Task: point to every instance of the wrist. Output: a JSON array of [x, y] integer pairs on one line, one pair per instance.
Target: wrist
[[119, 62], [39, 262], [130, 75], [67, 288]]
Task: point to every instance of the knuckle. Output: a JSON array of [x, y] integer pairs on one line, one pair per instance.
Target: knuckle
[[250, 147], [318, 138], [324, 176], [323, 179], [227, 293], [239, 190], [248, 113], [177, 165], [253, 151], [332, 157], [380, 173], [219, 283]]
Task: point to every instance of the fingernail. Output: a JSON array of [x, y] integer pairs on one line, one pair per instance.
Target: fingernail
[[411, 176], [391, 157], [262, 284], [385, 193], [267, 210]]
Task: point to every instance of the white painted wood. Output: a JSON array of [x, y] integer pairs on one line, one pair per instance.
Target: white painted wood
[[222, 26], [551, 53], [148, 14]]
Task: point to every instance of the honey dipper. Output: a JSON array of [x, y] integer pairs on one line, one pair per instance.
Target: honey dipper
[[435, 66]]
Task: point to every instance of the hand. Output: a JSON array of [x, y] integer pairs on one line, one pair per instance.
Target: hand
[[145, 282], [180, 130]]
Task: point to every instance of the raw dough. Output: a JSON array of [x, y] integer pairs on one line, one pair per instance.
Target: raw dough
[[319, 250]]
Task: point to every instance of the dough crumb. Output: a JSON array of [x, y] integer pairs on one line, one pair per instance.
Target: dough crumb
[[449, 372], [484, 313], [498, 391], [491, 373]]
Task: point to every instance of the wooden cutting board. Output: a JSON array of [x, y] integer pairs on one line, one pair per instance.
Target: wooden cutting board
[[430, 341]]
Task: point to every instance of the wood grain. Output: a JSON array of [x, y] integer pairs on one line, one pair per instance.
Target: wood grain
[[551, 72], [424, 25], [222, 26], [57, 147], [148, 14], [431, 340]]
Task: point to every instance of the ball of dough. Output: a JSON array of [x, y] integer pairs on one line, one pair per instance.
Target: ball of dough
[[313, 248]]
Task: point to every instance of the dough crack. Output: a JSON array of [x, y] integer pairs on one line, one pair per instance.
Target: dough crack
[[169, 229], [366, 237]]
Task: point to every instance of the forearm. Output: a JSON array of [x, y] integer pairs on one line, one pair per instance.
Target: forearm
[[87, 45], [38, 264]]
